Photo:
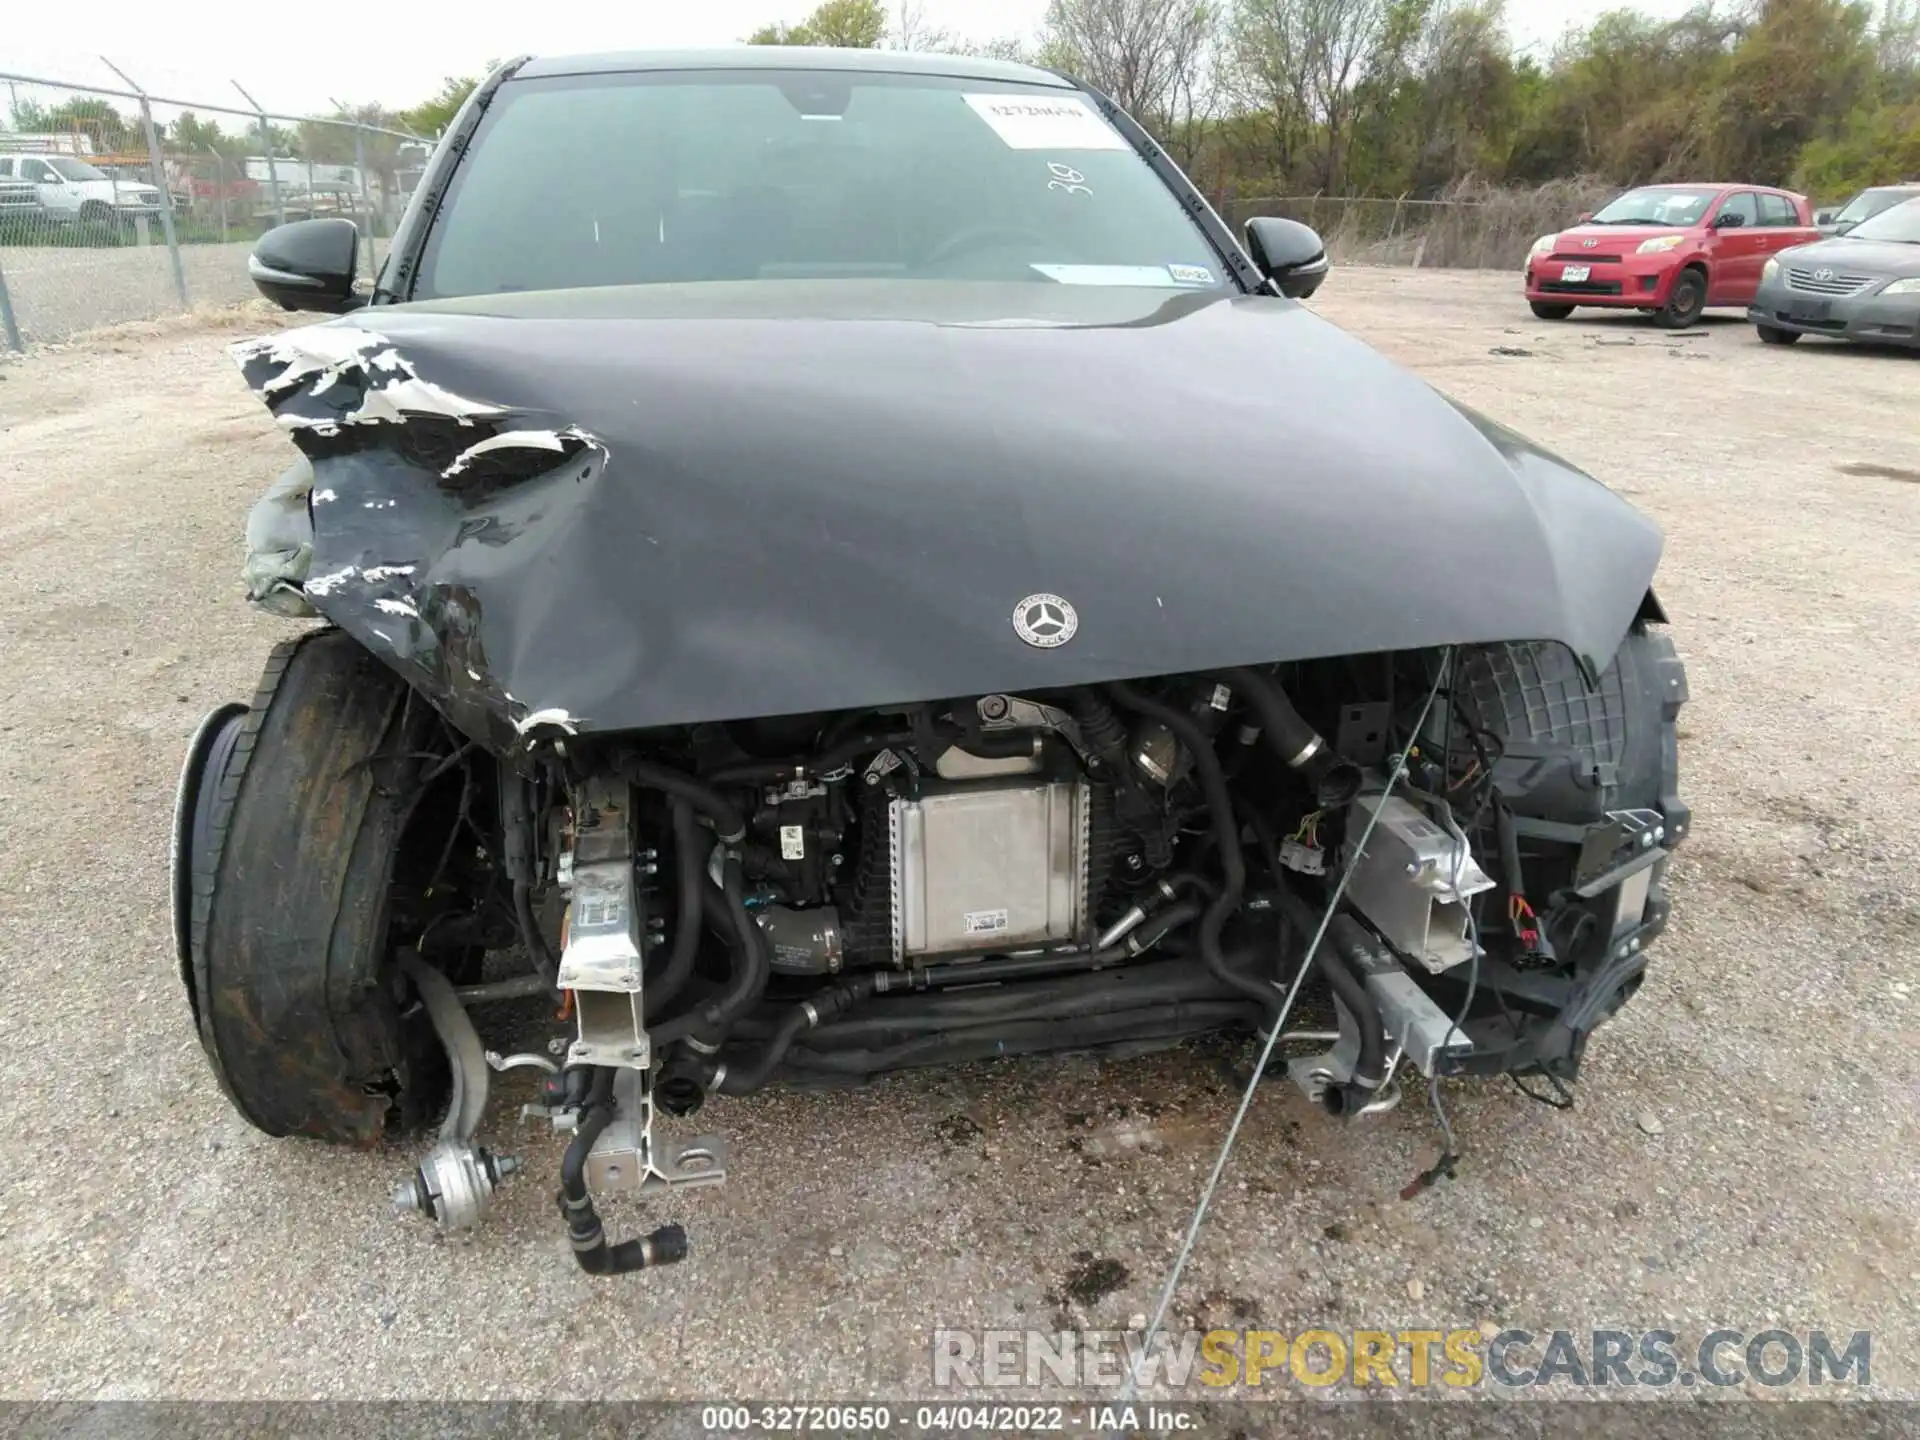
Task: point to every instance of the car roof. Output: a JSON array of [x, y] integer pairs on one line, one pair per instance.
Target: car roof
[[1713, 185], [790, 57]]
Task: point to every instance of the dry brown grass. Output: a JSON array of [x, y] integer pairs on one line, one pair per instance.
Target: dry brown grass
[[1473, 227]]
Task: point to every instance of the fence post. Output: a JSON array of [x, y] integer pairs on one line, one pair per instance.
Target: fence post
[[366, 203], [366, 199], [220, 169], [266, 148], [7, 322], [160, 180]]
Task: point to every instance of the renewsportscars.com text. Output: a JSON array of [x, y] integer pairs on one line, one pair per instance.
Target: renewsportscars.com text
[[1458, 1359]]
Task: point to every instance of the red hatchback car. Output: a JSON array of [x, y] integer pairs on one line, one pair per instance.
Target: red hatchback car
[[1670, 250]]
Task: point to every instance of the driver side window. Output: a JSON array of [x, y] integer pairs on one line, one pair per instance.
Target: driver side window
[[37, 171]]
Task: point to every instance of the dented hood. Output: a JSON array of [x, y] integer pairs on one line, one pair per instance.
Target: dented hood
[[612, 509]]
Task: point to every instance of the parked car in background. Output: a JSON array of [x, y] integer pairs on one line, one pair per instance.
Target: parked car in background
[[1864, 206], [1670, 250], [17, 199], [1862, 285], [69, 189]]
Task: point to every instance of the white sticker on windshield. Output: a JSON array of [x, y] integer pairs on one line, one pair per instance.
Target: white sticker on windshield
[[1106, 274], [1050, 122], [1190, 274]]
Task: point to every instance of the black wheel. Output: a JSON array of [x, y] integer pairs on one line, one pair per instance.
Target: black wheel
[[1773, 335], [1543, 311], [1684, 302], [288, 850]]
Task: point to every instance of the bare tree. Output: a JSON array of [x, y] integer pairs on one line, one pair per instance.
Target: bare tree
[[1314, 66], [1154, 57], [911, 31], [1897, 37]]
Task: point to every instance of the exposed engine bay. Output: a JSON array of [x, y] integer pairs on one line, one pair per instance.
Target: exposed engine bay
[[819, 899]]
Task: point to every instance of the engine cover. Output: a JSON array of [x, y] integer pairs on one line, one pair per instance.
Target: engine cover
[[989, 867]]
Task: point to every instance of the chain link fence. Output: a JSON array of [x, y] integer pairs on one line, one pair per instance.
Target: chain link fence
[[121, 205]]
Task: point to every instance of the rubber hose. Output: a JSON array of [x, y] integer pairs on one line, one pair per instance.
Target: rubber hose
[[1336, 962], [664, 1246], [1297, 744], [1092, 996], [727, 822], [692, 860], [748, 982], [1213, 784], [1155, 1022], [531, 936], [749, 1077]]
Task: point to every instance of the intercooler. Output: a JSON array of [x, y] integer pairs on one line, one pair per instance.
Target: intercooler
[[1000, 867]]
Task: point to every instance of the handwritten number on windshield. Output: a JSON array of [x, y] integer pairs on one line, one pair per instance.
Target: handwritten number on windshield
[[1067, 180]]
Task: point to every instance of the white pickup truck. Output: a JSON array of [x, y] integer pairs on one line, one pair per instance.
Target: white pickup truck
[[67, 188]]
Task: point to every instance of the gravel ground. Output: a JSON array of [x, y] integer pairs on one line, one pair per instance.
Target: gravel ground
[[1744, 1150]]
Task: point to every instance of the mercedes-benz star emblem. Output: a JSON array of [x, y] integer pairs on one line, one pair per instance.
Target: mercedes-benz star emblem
[[1045, 621], [1823, 273]]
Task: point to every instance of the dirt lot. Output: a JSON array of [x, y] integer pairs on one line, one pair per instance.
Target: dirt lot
[[1744, 1151]]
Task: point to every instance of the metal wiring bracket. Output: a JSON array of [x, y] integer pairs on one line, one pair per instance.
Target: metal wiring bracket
[[630, 1156]]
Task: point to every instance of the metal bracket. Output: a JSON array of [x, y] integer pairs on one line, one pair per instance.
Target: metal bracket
[[603, 961], [629, 1156]]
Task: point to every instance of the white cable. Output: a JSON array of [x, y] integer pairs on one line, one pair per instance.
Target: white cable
[[1128, 1390]]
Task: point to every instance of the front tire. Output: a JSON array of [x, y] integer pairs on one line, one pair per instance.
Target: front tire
[[1544, 311], [1685, 302], [1773, 335], [289, 858]]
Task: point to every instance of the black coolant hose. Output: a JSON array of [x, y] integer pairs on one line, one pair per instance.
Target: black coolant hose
[[692, 860], [1336, 958], [753, 967], [665, 1246], [1104, 736], [531, 935], [1014, 1037], [1130, 987], [1298, 745], [1213, 782], [745, 1078], [726, 818]]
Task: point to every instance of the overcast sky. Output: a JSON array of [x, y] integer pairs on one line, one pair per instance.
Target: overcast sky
[[297, 57]]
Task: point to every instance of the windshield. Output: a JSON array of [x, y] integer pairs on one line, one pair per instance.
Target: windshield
[[1656, 205], [1900, 223], [74, 169], [1869, 203], [723, 175]]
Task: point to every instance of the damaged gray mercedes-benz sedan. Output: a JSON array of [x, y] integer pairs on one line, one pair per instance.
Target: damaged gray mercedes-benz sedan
[[835, 562]]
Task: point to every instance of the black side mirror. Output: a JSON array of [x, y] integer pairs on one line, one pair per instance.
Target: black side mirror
[[1729, 220], [1823, 217], [1288, 253], [308, 265]]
